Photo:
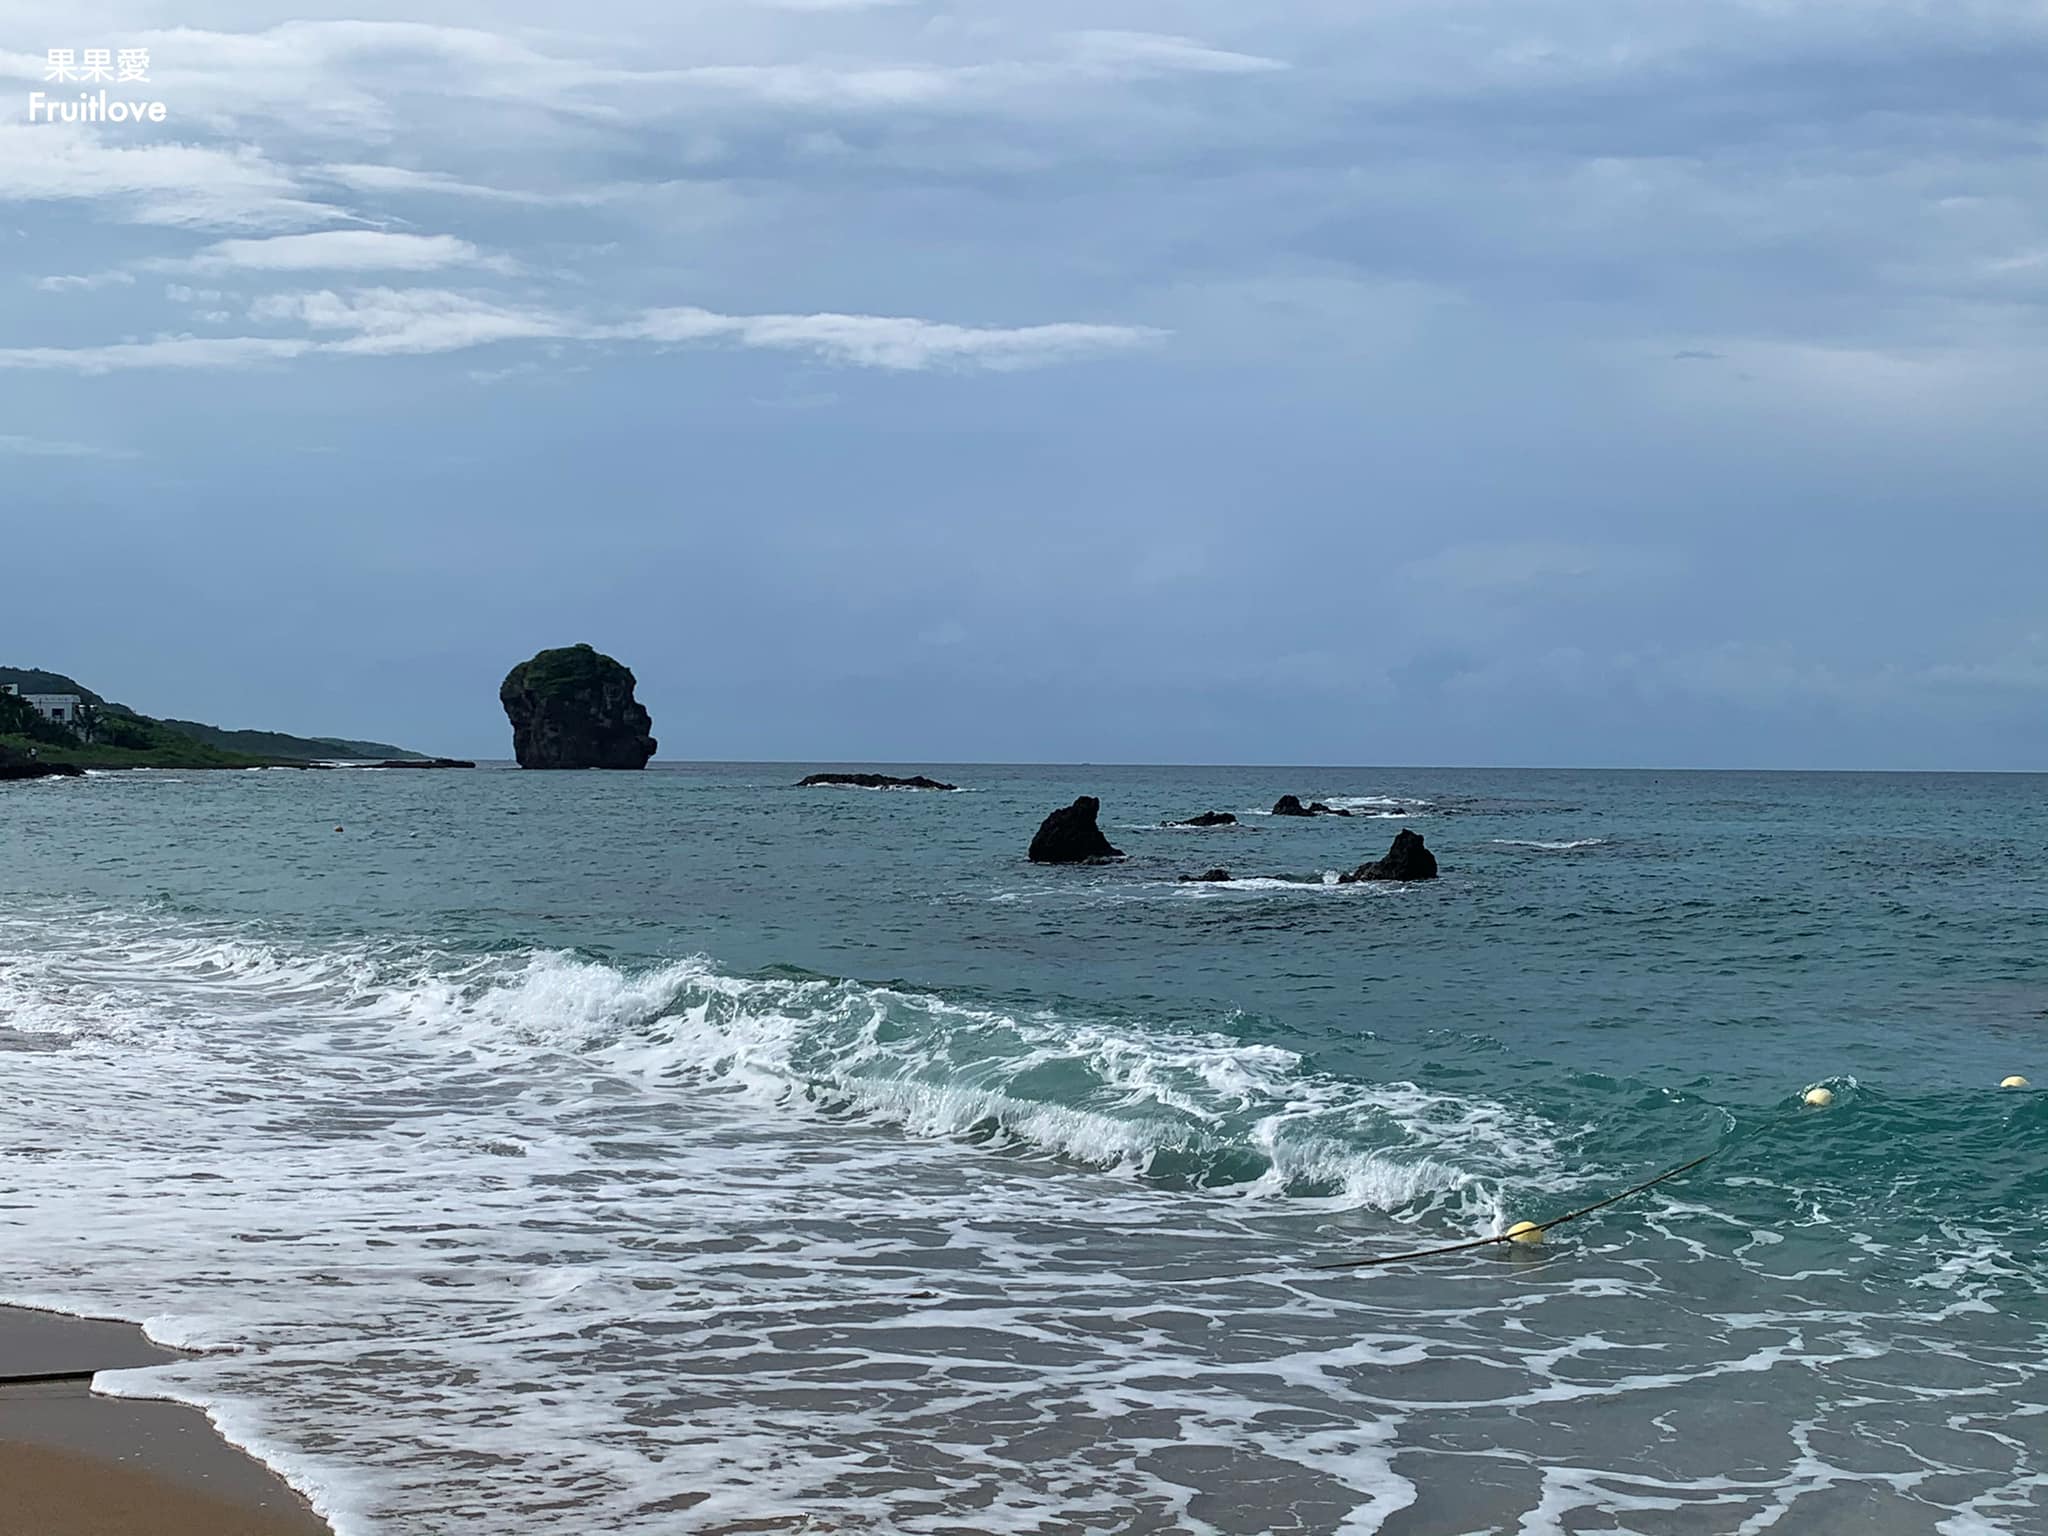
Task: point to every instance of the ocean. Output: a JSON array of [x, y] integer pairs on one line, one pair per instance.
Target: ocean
[[685, 1151]]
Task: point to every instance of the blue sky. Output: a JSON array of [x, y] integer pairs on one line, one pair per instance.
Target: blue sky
[[1448, 382]]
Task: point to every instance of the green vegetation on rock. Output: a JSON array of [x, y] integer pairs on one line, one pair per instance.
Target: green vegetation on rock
[[300, 748], [574, 708], [116, 736], [36, 680]]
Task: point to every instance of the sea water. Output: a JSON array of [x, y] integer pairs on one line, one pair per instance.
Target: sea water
[[685, 1151]]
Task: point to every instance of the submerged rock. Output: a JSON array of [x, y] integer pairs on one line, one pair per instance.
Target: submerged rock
[[574, 708], [1069, 836], [423, 762], [1206, 877], [1290, 805], [1407, 859], [1207, 819], [871, 781]]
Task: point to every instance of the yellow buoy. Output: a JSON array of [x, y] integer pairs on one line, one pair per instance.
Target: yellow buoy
[[1525, 1232], [1819, 1098], [2015, 1081]]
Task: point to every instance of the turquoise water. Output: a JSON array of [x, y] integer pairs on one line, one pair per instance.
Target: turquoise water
[[684, 1149]]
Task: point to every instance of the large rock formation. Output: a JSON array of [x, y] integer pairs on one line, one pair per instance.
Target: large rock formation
[[1407, 859], [1069, 836], [574, 708], [1207, 819], [870, 781]]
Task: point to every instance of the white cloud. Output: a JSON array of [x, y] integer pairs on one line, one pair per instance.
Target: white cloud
[[395, 321], [84, 282], [997, 85], [1143, 53], [391, 321], [339, 250], [161, 352], [894, 342], [180, 185], [363, 177], [847, 88], [46, 448], [367, 82]]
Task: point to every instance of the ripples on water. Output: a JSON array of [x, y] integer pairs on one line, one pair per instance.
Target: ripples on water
[[1015, 1233]]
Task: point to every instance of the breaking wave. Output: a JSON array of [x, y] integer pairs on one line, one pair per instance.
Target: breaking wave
[[1188, 1110]]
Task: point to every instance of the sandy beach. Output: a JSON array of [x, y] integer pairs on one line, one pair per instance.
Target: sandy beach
[[76, 1464]]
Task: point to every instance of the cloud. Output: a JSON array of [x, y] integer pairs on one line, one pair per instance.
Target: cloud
[[1146, 53], [44, 448], [1513, 156], [178, 185], [339, 250], [395, 321], [892, 342], [414, 321], [392, 178], [1046, 83], [207, 352], [84, 282]]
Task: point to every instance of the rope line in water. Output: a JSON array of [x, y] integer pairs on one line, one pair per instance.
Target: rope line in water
[[1508, 1237]]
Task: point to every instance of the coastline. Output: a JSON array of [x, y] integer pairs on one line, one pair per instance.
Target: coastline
[[76, 1463]]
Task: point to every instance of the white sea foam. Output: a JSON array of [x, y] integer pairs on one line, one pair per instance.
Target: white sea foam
[[1563, 845], [1362, 807], [481, 1225], [912, 789], [525, 1243], [1325, 884]]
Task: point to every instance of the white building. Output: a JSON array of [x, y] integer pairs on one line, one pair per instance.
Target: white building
[[61, 707]]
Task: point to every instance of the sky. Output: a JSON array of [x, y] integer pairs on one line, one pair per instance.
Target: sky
[[1318, 381]]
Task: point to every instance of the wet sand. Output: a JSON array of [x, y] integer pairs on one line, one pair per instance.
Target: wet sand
[[74, 1464]]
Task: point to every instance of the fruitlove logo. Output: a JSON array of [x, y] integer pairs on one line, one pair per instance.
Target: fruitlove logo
[[120, 66]]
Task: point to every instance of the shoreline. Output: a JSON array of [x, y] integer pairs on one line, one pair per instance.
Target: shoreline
[[78, 1463]]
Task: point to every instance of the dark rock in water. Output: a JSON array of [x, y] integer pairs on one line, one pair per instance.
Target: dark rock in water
[[423, 762], [35, 768], [1290, 805], [1207, 819], [1407, 859], [1206, 877], [871, 781], [574, 708], [1069, 836]]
